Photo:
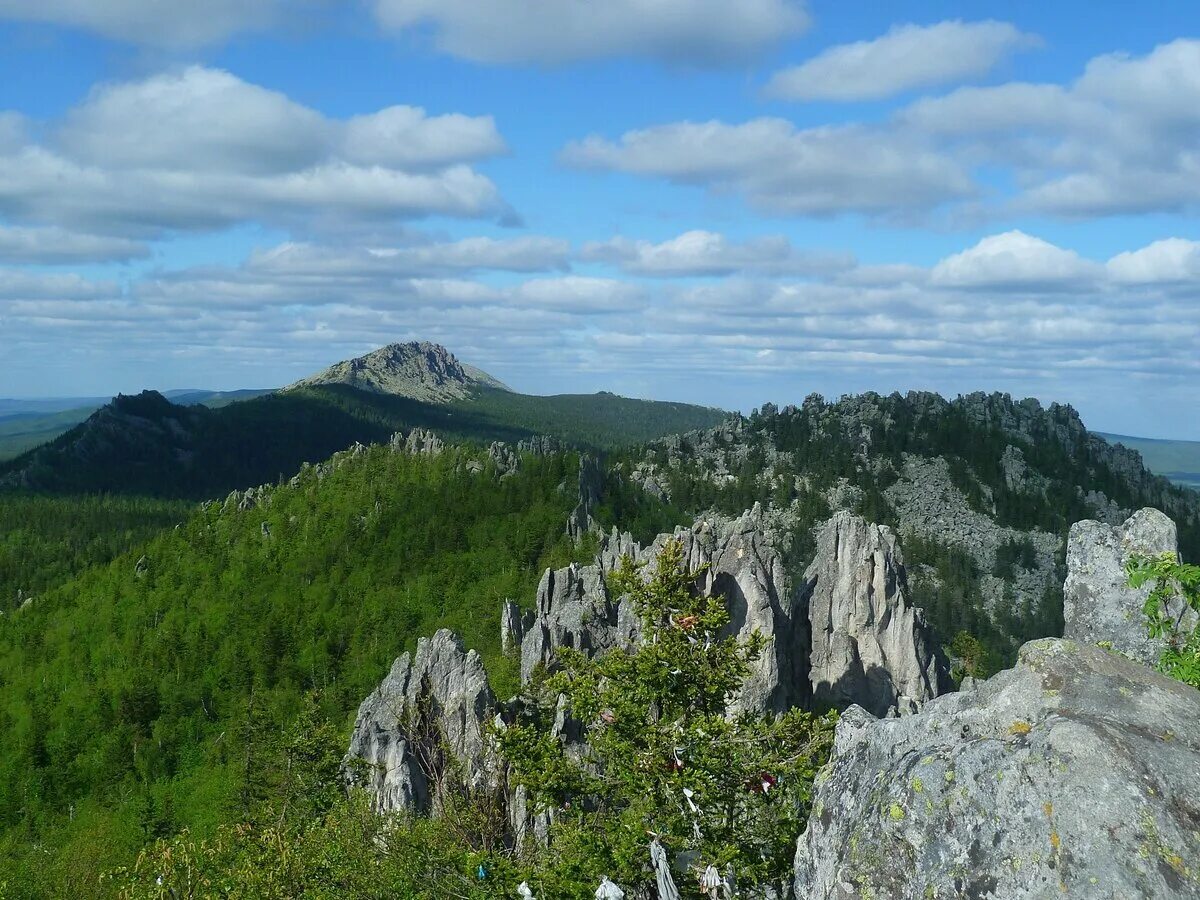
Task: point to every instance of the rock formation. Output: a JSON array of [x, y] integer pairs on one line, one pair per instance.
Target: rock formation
[[1098, 604], [869, 644], [418, 370], [434, 700], [575, 607], [1073, 774]]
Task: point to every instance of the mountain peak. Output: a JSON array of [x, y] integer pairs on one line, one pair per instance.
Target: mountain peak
[[419, 370]]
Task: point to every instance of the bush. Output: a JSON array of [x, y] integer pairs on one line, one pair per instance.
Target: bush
[[664, 756], [1171, 580]]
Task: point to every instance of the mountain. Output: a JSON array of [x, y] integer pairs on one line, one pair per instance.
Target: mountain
[[418, 370], [145, 444], [1176, 460], [25, 424]]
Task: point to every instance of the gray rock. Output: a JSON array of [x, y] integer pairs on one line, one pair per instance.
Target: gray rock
[[869, 644], [421, 441], [420, 370], [591, 487], [1098, 604], [1072, 774], [435, 699]]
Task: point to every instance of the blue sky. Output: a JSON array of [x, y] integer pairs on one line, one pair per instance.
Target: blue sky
[[685, 199]]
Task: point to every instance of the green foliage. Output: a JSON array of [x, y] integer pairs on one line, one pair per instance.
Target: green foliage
[[46, 540], [664, 755], [976, 660], [1171, 580], [1011, 554], [135, 702]]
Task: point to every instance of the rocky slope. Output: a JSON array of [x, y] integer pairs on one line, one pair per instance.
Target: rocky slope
[[1071, 774], [418, 370]]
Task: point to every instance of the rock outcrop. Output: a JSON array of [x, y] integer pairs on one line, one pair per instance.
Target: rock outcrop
[[1072, 774], [575, 607], [418, 370], [433, 702], [1098, 604], [870, 645]]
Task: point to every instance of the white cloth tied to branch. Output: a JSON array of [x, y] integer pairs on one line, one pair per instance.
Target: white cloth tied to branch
[[524, 891], [609, 891], [662, 872]]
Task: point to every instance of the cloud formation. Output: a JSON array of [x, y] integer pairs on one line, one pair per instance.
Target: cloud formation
[[906, 58], [696, 32], [201, 149], [153, 22], [782, 169], [707, 253]]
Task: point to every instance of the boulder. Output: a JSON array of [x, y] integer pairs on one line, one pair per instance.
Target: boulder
[[870, 645], [1098, 603], [429, 710], [1073, 774]]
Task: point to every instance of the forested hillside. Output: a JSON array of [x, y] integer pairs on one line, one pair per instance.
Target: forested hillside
[[149, 446], [136, 695]]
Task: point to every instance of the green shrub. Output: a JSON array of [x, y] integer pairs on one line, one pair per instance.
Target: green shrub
[[1171, 579]]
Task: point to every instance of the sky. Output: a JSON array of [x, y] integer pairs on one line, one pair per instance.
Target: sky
[[698, 200]]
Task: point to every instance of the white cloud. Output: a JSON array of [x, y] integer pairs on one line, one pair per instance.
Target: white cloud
[[1166, 261], [1014, 260], [779, 168], [202, 149], [701, 253], [578, 294], [57, 246], [1120, 140], [527, 31], [523, 254], [906, 58], [153, 22]]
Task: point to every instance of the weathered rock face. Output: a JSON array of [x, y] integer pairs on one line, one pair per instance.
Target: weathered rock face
[[869, 644], [440, 693], [1098, 604], [575, 607], [1072, 774], [420, 370]]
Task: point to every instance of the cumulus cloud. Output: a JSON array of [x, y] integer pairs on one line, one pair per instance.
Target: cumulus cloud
[[524, 254], [906, 58], [57, 246], [152, 22], [1173, 260], [782, 169], [201, 149], [1014, 260], [1119, 140], [522, 31], [701, 253]]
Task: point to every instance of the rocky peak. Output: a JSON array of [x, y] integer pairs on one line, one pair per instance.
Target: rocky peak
[[419, 370], [870, 645]]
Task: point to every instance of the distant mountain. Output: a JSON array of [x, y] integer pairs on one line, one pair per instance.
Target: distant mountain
[[25, 424], [1176, 460], [146, 444], [418, 370]]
